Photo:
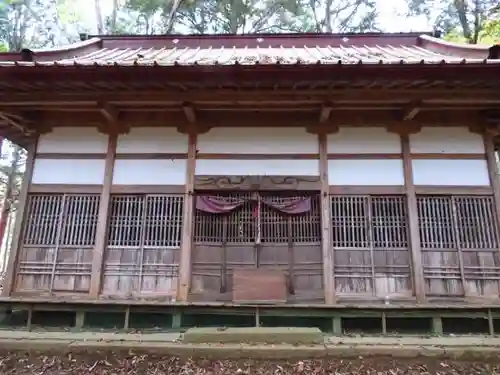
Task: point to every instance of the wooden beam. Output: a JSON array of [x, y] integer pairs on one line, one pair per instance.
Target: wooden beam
[[263, 119], [190, 113], [271, 107], [416, 255], [102, 219], [184, 284], [15, 246], [162, 97]]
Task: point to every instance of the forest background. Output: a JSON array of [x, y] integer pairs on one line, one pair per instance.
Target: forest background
[[52, 23]]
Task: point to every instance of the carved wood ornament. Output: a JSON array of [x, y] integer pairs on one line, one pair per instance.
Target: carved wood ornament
[[204, 182]]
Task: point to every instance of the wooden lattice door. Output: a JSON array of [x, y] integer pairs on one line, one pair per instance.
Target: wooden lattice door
[[257, 231]]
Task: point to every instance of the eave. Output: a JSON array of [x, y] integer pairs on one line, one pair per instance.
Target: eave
[[61, 85]]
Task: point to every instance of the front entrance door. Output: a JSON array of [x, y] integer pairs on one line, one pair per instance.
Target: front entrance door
[[269, 234]]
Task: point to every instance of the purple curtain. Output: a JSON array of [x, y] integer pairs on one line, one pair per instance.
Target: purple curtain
[[217, 205], [220, 205]]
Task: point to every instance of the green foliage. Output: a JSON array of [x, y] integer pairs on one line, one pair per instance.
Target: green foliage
[[253, 16], [465, 18], [492, 27]]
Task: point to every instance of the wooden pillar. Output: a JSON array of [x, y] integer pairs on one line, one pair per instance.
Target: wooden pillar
[[15, 247], [414, 241], [489, 148], [102, 219], [326, 222], [187, 221], [322, 132]]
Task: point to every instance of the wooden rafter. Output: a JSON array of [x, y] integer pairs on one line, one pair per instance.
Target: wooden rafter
[[16, 121], [326, 111], [411, 111], [109, 113], [190, 113]]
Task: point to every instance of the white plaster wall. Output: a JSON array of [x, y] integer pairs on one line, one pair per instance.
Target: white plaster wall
[[150, 172], [450, 172], [257, 167], [350, 140], [366, 172], [66, 171], [446, 140], [152, 140], [258, 141], [74, 141]]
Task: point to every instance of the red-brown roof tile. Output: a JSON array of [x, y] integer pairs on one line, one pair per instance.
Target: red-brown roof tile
[[256, 49]]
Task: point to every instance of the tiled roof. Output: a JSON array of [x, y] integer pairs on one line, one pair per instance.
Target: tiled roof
[[97, 51]]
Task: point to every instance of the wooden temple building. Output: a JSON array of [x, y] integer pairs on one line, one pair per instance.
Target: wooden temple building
[[284, 171]]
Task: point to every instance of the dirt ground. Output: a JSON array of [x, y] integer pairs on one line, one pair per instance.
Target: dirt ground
[[46, 353], [130, 362]]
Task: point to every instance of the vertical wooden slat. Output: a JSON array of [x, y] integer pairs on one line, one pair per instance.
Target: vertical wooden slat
[[102, 219], [291, 258], [370, 237], [458, 245], [187, 227], [59, 225], [416, 255], [326, 246], [8, 283]]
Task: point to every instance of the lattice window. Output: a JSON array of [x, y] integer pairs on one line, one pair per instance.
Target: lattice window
[[248, 222], [459, 243], [465, 222], [236, 226], [61, 219], [435, 217], [299, 228], [476, 223], [145, 220], [389, 224], [377, 222], [370, 241]]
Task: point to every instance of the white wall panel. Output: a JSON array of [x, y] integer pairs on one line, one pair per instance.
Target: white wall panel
[[446, 140], [258, 141], [65, 171], [74, 141], [257, 167], [149, 172], [363, 141], [366, 172], [152, 140], [450, 172]]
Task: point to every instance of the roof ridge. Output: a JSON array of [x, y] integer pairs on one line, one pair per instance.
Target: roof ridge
[[445, 47]]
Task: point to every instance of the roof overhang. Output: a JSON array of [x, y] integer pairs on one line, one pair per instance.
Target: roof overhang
[[89, 75]]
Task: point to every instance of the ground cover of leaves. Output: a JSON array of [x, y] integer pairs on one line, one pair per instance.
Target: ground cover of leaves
[[104, 362]]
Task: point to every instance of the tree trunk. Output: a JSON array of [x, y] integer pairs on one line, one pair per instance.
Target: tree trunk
[[98, 15], [328, 16], [113, 17], [8, 199], [172, 16], [461, 7]]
